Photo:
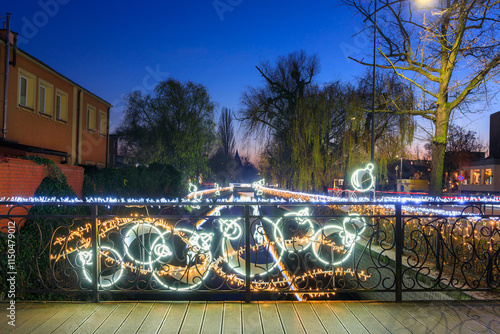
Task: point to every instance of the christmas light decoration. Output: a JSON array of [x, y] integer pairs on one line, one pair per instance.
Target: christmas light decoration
[[181, 255], [362, 179], [152, 246]]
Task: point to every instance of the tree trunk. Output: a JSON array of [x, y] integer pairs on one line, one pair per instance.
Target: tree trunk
[[437, 167], [438, 148]]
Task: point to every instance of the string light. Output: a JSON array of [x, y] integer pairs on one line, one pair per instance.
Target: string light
[[272, 276]]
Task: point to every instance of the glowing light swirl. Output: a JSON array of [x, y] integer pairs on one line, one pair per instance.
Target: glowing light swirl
[[358, 176], [257, 186], [349, 233], [84, 259], [195, 194]]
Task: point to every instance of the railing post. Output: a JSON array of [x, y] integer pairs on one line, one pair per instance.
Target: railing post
[[377, 230], [95, 254], [399, 240], [247, 254], [438, 246], [489, 267]]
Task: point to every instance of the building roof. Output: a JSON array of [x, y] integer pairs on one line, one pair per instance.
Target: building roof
[[484, 162]]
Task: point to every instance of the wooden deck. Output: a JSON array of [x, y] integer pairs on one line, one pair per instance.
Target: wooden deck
[[258, 317]]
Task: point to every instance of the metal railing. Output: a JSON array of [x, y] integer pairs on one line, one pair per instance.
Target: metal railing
[[255, 249]]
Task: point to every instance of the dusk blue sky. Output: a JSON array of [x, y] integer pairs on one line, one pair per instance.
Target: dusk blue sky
[[114, 47]]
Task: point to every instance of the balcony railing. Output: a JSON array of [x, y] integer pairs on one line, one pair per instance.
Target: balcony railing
[[255, 249]]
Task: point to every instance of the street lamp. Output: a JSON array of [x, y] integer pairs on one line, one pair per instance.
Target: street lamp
[[372, 148], [401, 168], [372, 153]]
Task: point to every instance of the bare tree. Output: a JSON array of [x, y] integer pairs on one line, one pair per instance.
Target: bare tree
[[226, 133], [463, 140], [271, 107], [270, 110], [450, 53]]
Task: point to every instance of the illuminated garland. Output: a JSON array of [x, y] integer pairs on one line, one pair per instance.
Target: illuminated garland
[[155, 256], [307, 197], [153, 239]]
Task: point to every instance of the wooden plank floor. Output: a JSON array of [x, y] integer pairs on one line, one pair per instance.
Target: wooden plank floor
[[257, 317]]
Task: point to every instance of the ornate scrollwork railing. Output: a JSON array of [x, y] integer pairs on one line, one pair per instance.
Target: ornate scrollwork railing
[[251, 248]]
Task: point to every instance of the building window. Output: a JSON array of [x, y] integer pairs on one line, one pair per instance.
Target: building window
[[61, 106], [467, 179], [476, 176], [26, 89], [488, 177], [23, 91], [45, 99], [103, 124], [41, 102], [91, 119]]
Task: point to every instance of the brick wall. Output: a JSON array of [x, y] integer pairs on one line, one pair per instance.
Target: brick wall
[[19, 177]]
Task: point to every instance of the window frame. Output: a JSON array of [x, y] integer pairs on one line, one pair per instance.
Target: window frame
[[48, 108], [31, 90], [91, 108], [21, 77], [40, 104], [102, 115], [61, 114]]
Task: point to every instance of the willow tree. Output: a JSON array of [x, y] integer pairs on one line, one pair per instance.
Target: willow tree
[[174, 125], [269, 110], [318, 124], [394, 130], [449, 50]]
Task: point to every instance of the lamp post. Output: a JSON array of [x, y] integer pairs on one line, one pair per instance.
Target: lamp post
[[401, 173], [372, 151], [400, 167], [372, 155]]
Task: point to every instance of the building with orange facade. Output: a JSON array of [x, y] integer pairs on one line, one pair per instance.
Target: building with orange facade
[[45, 113]]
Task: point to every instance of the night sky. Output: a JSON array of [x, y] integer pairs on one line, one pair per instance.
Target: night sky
[[114, 47]]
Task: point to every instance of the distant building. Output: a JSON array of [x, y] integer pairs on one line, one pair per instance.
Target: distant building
[[409, 175], [114, 158], [412, 185], [113, 151], [47, 113], [495, 135], [483, 176]]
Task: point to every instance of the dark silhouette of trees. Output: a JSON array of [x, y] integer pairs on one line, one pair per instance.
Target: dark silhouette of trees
[[269, 110], [226, 133], [318, 133], [174, 125], [223, 165]]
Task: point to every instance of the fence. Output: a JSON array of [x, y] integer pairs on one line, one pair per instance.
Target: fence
[[254, 249]]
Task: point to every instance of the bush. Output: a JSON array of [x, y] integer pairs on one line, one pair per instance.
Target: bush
[[153, 181], [36, 235]]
